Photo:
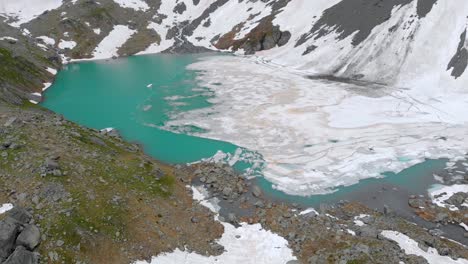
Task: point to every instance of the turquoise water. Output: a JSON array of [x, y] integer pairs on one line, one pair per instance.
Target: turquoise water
[[115, 94]]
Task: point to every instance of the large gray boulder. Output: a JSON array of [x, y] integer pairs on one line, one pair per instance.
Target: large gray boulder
[[29, 237], [8, 232], [22, 256], [20, 215]]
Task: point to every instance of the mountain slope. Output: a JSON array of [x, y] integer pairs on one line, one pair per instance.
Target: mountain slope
[[380, 41]]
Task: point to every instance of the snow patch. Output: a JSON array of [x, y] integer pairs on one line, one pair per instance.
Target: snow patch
[[308, 211], [112, 42], [244, 244], [5, 208], [47, 40], [46, 86], [411, 248], [52, 71], [139, 5], [9, 39], [64, 44]]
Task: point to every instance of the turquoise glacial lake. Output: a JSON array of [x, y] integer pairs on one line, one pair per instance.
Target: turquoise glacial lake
[[137, 95]]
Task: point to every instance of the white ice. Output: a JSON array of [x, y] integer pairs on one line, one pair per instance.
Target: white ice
[[411, 248], [317, 134]]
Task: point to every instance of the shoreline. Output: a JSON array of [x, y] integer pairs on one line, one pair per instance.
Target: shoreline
[[362, 196]]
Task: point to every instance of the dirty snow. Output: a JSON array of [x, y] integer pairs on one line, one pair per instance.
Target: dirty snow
[[411, 248]]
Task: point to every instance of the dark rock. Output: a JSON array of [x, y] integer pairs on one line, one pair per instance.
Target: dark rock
[[51, 165], [368, 231], [232, 218], [227, 191], [8, 232], [436, 232], [22, 256], [387, 210], [20, 215], [285, 37], [457, 199], [416, 203], [441, 217], [29, 237]]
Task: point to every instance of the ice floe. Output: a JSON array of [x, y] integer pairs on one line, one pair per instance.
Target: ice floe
[[316, 134]]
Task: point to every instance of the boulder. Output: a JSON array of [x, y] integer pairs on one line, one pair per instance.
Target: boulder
[[457, 199], [227, 191], [29, 237], [22, 256], [8, 232], [20, 215], [368, 231], [416, 202], [51, 165], [256, 191]]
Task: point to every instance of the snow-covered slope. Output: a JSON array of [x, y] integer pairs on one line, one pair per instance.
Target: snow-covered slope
[[400, 42], [22, 11]]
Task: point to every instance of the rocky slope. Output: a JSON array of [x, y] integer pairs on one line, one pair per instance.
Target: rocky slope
[[95, 198]]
